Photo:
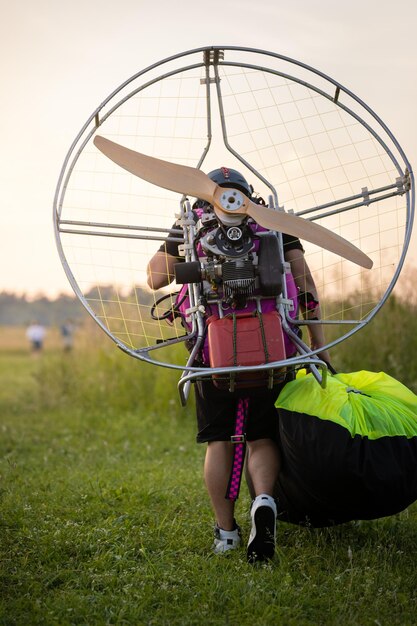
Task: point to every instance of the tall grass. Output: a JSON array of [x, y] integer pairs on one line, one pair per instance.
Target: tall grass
[[104, 380], [387, 343], [104, 517]]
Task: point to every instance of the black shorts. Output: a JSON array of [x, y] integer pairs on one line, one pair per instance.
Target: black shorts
[[216, 412]]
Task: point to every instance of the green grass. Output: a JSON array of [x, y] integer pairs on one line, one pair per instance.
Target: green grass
[[105, 520]]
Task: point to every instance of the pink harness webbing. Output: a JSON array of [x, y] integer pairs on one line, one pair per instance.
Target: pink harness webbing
[[239, 441]]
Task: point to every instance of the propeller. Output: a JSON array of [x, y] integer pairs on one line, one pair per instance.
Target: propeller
[[194, 182]]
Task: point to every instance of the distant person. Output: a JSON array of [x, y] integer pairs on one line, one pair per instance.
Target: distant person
[[36, 334], [67, 333]]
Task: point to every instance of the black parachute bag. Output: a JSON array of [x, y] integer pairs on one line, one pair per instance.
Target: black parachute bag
[[349, 451]]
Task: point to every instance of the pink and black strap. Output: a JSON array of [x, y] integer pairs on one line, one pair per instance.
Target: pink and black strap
[[239, 441]]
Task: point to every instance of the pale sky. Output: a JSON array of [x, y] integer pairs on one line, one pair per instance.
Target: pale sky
[[60, 60]]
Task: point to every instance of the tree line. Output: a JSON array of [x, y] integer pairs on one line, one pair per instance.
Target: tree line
[[19, 310]]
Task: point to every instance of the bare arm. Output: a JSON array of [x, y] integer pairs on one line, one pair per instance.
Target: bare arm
[[305, 283], [160, 270]]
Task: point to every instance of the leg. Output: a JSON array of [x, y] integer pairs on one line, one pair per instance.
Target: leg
[[216, 411], [217, 468], [263, 468], [263, 465]]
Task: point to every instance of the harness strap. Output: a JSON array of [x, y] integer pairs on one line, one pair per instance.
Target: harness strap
[[264, 342], [239, 441]]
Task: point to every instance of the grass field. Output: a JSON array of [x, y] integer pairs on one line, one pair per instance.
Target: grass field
[[105, 520]]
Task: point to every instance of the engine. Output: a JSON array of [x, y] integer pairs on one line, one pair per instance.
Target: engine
[[235, 261]]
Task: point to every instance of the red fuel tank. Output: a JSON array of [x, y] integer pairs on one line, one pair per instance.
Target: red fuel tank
[[246, 339]]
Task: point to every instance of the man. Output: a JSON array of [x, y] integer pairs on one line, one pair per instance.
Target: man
[[35, 333], [216, 409]]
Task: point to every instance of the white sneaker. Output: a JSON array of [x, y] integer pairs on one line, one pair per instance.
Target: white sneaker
[[261, 545], [225, 540]]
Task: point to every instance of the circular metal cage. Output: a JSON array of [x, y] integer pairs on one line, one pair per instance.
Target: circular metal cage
[[296, 134]]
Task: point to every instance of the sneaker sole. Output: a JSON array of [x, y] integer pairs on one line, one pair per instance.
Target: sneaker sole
[[262, 546]]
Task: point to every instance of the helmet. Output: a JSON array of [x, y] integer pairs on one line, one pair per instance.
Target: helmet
[[226, 177]]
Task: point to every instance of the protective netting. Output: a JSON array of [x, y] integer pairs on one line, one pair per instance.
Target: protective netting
[[314, 153], [167, 120], [295, 132]]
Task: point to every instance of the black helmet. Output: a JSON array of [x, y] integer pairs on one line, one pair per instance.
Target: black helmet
[[226, 177]]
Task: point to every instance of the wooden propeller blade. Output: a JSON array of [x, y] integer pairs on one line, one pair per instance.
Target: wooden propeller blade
[[309, 231], [193, 182], [179, 178], [226, 201]]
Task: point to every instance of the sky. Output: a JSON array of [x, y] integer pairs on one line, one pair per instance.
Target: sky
[[60, 60]]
